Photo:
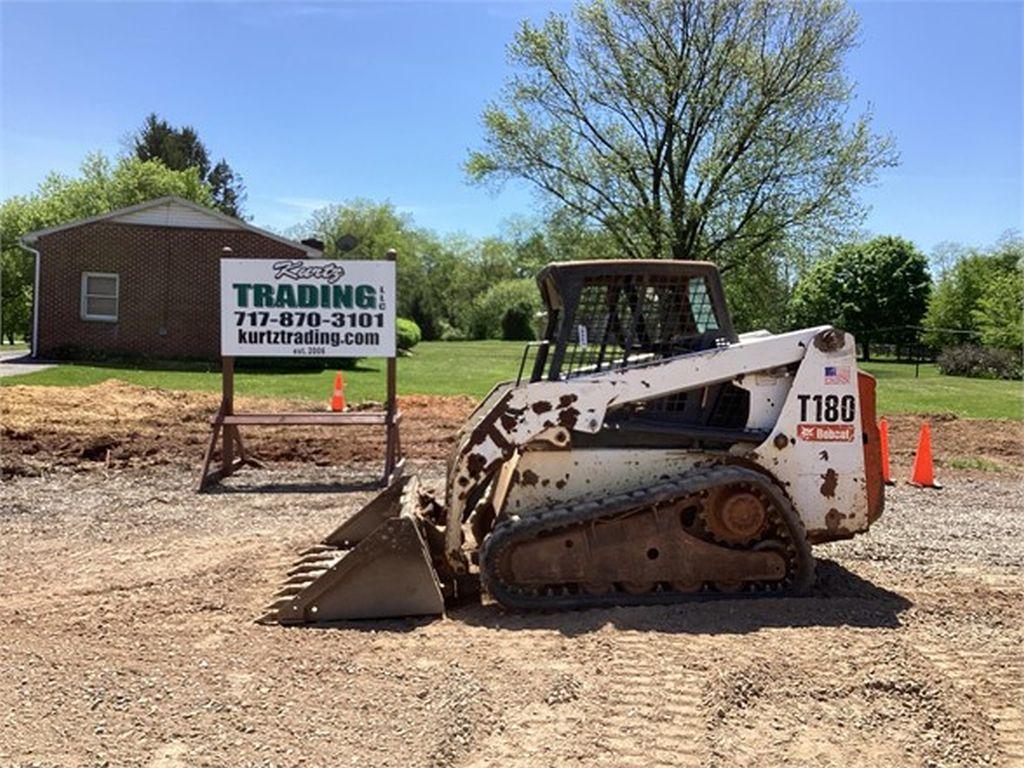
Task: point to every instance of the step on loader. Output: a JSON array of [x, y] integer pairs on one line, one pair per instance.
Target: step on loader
[[647, 454]]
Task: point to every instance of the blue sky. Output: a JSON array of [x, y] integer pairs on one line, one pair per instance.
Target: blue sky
[[315, 103]]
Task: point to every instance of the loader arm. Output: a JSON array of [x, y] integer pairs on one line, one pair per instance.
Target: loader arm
[[554, 410]]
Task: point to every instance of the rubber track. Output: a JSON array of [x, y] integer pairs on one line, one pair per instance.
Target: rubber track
[[517, 529]]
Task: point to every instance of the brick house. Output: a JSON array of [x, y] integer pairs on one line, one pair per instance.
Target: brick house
[[140, 281]]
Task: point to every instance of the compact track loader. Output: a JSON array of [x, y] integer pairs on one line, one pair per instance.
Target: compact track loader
[[651, 455]]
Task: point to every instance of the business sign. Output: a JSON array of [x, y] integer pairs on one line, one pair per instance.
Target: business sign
[[307, 308]]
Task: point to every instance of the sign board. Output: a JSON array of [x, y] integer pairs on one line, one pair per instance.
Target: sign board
[[307, 308]]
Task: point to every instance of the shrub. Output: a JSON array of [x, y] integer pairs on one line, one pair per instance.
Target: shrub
[[407, 333], [451, 332], [518, 324], [981, 362], [506, 311]]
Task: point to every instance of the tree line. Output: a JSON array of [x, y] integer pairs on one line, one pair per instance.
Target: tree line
[[883, 291], [457, 287]]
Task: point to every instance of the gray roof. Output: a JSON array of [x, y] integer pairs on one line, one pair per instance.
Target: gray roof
[[225, 222]]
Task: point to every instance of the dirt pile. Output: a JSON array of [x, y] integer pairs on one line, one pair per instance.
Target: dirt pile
[[120, 425], [114, 424], [959, 441]]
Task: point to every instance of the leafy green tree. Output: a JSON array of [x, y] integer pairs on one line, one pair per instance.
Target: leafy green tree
[[944, 256], [181, 148], [687, 129], [16, 275], [758, 295], [507, 311], [561, 235], [364, 229], [478, 266], [439, 279], [102, 186], [975, 295], [865, 288], [956, 298], [227, 189], [1000, 312]]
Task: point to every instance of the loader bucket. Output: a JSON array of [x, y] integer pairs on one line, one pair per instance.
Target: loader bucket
[[374, 565]]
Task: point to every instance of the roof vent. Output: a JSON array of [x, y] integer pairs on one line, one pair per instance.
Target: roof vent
[[312, 242]]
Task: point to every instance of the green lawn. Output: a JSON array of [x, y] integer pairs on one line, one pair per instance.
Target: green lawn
[[473, 367], [900, 392], [435, 368]]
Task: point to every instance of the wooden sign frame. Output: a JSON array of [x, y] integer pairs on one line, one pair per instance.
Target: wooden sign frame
[[224, 426]]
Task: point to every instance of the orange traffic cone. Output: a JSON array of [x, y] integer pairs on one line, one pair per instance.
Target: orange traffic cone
[[883, 439], [923, 474], [338, 399]]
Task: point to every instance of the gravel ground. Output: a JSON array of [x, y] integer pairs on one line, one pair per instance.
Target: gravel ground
[[128, 640]]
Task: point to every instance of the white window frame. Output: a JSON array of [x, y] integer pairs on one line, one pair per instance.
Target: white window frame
[[84, 304]]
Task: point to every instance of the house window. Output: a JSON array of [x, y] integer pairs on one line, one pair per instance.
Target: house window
[[99, 296]]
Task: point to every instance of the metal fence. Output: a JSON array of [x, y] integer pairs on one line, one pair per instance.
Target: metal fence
[[913, 344]]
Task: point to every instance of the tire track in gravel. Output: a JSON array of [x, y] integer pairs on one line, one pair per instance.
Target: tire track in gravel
[[632, 699], [532, 736], [544, 721], [651, 711], [991, 675]]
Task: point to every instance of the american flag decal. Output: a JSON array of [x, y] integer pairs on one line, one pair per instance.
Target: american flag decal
[[837, 374]]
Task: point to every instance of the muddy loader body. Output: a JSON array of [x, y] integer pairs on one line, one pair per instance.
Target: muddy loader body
[[648, 455]]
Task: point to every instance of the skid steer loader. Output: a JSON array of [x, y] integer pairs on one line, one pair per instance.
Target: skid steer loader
[[651, 455]]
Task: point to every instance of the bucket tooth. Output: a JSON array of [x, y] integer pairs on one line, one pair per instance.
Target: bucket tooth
[[323, 557], [316, 549], [272, 611], [314, 564], [291, 590], [281, 602], [307, 577]]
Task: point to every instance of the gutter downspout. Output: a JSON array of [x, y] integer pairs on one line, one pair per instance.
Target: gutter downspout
[[35, 299]]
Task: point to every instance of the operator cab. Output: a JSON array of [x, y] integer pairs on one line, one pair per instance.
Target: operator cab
[[606, 315], [614, 315]]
